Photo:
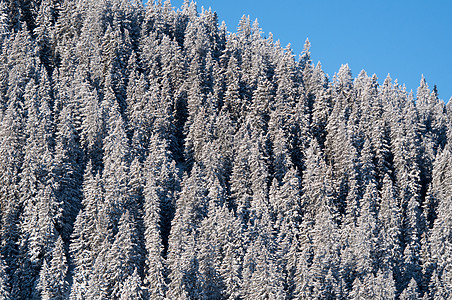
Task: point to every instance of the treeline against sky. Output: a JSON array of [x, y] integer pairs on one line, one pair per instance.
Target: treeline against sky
[[148, 153]]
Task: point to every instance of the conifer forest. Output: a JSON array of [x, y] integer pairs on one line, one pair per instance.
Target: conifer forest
[[148, 152]]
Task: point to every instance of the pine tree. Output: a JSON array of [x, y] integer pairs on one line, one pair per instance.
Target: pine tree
[[132, 289], [4, 282], [89, 233], [390, 218], [12, 139], [41, 208], [43, 32], [441, 241], [91, 126], [52, 277], [67, 170], [4, 22], [322, 105], [124, 257], [116, 162], [183, 263], [159, 197], [410, 292], [316, 181], [209, 254], [367, 236], [264, 279]]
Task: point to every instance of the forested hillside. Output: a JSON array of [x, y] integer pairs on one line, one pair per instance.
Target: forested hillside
[[146, 152]]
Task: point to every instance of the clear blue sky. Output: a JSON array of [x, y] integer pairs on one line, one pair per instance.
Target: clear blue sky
[[406, 38]]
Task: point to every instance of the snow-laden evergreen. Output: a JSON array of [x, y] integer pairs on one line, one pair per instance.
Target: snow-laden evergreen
[[146, 152]]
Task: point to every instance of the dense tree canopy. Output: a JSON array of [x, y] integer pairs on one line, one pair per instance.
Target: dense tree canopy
[[146, 152]]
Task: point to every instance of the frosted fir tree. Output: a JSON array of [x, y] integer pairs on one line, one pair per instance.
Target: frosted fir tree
[[367, 236], [282, 161], [260, 106], [368, 172], [322, 104], [44, 32], [12, 139], [425, 103], [316, 182], [326, 254], [4, 282], [233, 252], [262, 276], [161, 185], [241, 189], [4, 23], [116, 161], [285, 201], [210, 254], [307, 68], [200, 133], [67, 170], [288, 113], [115, 49], [440, 239], [408, 175], [88, 234], [410, 292], [343, 85], [124, 257], [345, 164], [132, 289], [380, 286], [390, 217], [436, 288], [260, 177], [232, 94], [22, 64], [303, 277], [183, 262], [139, 112], [99, 285], [319, 213], [52, 282], [155, 271], [41, 207]]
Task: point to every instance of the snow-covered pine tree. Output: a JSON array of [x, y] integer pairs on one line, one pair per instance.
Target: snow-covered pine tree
[[4, 22], [132, 288], [52, 282], [4, 282], [161, 186], [12, 139], [67, 171], [90, 230], [116, 161]]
